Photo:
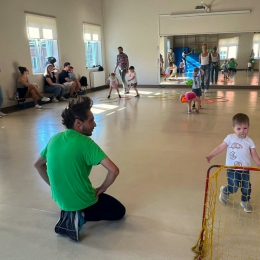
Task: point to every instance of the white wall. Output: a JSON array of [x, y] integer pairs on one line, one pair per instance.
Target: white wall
[[70, 16], [135, 25]]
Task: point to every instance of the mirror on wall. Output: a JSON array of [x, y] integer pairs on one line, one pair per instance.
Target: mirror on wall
[[240, 50]]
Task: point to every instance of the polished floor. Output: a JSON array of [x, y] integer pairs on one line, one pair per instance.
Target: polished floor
[[160, 150], [241, 78]]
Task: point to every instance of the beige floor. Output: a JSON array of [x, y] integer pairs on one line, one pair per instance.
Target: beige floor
[[160, 150], [241, 78]]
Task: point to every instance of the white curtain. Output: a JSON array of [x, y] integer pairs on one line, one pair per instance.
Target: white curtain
[[228, 42]]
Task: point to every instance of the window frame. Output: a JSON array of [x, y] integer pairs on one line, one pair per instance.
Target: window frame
[[38, 41], [92, 37]]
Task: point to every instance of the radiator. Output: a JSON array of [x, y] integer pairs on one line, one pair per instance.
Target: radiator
[[97, 79]]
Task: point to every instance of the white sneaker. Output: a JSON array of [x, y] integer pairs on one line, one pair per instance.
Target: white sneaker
[[2, 114], [205, 91], [45, 99], [38, 106], [63, 99], [55, 100]]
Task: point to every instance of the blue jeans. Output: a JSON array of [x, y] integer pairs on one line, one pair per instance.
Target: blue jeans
[[238, 179], [205, 76], [1, 97], [57, 90], [214, 70], [122, 75]]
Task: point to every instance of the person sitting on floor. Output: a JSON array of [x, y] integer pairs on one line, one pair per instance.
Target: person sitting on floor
[[51, 86], [27, 89]]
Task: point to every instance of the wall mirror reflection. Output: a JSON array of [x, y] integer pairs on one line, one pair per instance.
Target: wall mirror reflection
[[234, 58]]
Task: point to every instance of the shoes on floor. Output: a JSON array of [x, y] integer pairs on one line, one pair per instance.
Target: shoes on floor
[[246, 205], [63, 99], [55, 100], [137, 95], [127, 92], [108, 97], [222, 196], [205, 91], [38, 106], [119, 96], [45, 99], [2, 114], [189, 111], [0, 117], [69, 224]]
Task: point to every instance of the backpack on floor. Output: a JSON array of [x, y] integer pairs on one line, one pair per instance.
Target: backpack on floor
[[83, 81]]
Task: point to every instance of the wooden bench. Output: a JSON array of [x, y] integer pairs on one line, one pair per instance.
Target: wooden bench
[[21, 101]]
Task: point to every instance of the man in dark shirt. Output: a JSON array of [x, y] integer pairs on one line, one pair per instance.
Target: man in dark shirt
[[70, 84], [123, 64]]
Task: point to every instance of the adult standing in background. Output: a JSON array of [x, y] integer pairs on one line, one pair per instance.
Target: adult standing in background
[[171, 56], [122, 63], [1, 101], [215, 59], [205, 60]]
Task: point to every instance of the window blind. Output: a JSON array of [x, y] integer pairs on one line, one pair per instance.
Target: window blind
[[41, 27]]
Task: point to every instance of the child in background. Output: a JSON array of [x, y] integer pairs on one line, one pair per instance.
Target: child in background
[[196, 85], [249, 66], [225, 69], [182, 66], [191, 97], [168, 70], [173, 69], [133, 80], [72, 76], [113, 82], [240, 148]]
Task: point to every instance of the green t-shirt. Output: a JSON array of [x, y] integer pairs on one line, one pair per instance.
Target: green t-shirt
[[70, 156], [232, 64]]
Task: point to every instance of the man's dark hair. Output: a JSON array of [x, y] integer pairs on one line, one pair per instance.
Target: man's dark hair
[[131, 67], [240, 119], [170, 48], [66, 64], [120, 47], [77, 109]]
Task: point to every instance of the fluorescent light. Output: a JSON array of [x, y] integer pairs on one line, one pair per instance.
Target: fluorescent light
[[210, 13]]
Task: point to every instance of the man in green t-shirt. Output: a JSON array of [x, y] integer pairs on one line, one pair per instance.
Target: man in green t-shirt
[[65, 164]]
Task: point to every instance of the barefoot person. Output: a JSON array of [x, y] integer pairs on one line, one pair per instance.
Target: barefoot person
[[68, 173]]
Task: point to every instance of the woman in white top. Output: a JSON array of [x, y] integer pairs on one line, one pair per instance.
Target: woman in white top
[[205, 60], [214, 65]]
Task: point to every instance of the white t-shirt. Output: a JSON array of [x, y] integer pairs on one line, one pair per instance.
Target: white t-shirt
[[131, 75], [113, 82], [238, 151]]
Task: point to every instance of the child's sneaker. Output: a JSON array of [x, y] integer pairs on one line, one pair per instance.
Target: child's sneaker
[[137, 95], [118, 96], [222, 196], [246, 205], [189, 111], [108, 97], [38, 106]]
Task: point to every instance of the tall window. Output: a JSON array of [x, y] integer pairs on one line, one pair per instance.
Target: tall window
[[228, 48], [256, 45], [42, 35], [92, 42]]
